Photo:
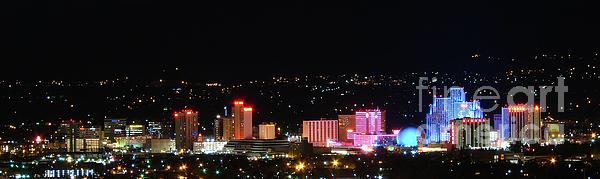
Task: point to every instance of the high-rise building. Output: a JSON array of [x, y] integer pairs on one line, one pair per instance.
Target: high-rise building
[[114, 128], [228, 131], [218, 128], [505, 124], [186, 129], [242, 120], [266, 131], [346, 123], [525, 123], [87, 140], [319, 132], [445, 109], [369, 121], [470, 133]]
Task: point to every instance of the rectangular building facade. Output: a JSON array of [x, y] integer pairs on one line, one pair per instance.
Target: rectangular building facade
[[319, 132], [470, 133], [266, 131], [186, 129], [242, 120], [525, 123]]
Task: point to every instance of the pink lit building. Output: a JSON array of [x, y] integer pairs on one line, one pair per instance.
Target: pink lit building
[[319, 132], [370, 121]]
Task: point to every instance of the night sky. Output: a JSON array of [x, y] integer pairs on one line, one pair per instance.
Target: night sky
[[224, 40]]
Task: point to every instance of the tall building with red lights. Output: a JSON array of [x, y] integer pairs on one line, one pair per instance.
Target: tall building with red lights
[[186, 129], [319, 132], [242, 121], [525, 123]]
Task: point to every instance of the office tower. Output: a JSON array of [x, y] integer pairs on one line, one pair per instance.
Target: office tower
[[87, 139], [347, 123], [369, 121], [436, 119], [186, 129], [445, 109], [218, 128], [319, 132], [470, 133], [228, 131], [68, 131], [505, 124], [266, 131], [525, 123], [242, 121], [114, 128]]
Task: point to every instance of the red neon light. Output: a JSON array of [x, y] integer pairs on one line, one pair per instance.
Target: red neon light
[[188, 113], [176, 114], [238, 102], [247, 109]]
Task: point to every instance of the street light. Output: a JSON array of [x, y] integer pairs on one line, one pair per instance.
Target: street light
[[335, 163], [300, 166]]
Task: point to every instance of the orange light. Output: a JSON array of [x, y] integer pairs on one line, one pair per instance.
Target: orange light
[[189, 112], [176, 114], [238, 102], [247, 109], [537, 108], [349, 130]]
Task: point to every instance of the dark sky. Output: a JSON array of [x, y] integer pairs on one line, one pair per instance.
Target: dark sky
[[84, 39]]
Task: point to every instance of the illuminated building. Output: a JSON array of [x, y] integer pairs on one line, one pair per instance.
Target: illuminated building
[[554, 132], [369, 122], [258, 148], [218, 128], [209, 147], [346, 123], [319, 132], [505, 124], [161, 145], [134, 130], [186, 129], [114, 128], [68, 131], [242, 120], [445, 109], [87, 140], [470, 133], [157, 129], [371, 140], [525, 123], [266, 131], [227, 129]]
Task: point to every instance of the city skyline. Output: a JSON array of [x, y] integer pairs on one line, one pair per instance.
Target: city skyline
[[299, 89]]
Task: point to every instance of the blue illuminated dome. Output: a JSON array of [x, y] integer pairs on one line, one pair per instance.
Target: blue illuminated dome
[[407, 137]]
